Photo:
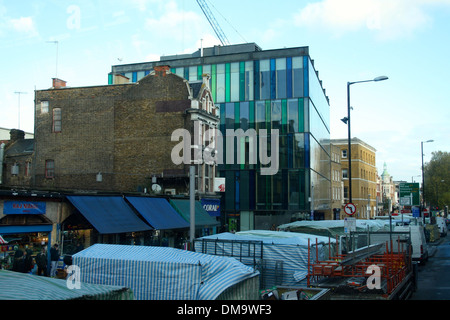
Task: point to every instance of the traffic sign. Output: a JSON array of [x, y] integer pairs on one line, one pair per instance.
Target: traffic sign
[[409, 194], [350, 209]]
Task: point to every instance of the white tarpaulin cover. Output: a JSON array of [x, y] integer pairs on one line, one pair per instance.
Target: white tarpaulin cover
[[161, 273], [332, 227], [284, 254], [24, 286]]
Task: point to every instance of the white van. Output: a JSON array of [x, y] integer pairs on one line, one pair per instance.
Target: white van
[[440, 221], [418, 242]]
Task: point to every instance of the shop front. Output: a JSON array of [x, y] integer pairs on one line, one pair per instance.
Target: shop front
[[25, 230], [101, 219]]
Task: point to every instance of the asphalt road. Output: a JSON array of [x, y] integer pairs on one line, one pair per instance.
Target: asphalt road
[[434, 276]]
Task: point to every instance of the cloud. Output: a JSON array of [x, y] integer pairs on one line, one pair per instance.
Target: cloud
[[174, 24], [386, 19], [24, 25]]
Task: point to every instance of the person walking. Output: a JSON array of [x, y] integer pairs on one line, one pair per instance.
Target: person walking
[[41, 261], [54, 258]]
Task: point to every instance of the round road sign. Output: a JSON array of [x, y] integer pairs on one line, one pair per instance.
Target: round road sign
[[350, 209]]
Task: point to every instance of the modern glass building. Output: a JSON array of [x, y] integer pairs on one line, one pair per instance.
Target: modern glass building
[[263, 89]]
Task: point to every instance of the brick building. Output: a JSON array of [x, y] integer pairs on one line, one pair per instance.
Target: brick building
[[364, 176], [118, 137]]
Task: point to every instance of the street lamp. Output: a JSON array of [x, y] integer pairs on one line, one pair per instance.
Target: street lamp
[[423, 181], [346, 120]]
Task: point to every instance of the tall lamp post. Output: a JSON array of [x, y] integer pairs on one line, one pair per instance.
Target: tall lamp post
[[346, 120], [423, 181]]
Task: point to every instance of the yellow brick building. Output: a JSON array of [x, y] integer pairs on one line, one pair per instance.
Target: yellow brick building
[[364, 176]]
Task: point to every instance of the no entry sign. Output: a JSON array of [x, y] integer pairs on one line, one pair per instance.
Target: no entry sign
[[350, 209]]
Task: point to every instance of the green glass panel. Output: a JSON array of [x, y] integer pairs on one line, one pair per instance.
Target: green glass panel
[[199, 72], [284, 122], [110, 79], [213, 82], [301, 115], [242, 81], [227, 82]]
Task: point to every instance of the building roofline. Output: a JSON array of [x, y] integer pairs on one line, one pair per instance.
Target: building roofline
[[354, 140]]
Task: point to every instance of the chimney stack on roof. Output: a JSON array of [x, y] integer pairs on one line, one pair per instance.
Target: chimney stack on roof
[[16, 134], [161, 70], [58, 83]]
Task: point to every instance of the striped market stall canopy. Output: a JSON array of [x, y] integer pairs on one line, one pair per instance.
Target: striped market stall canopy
[[282, 256], [161, 273], [22, 286]]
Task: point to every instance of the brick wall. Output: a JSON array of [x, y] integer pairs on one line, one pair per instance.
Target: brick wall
[[114, 130]]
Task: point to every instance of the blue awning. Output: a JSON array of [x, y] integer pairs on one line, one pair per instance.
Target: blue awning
[[108, 214], [202, 218], [158, 213]]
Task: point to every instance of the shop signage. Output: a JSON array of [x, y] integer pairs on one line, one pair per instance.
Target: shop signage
[[24, 207], [219, 184], [212, 206]]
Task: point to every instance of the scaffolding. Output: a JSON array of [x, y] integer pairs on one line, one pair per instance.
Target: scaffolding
[[349, 272]]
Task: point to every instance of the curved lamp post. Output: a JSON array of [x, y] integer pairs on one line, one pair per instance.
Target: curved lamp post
[[346, 120]]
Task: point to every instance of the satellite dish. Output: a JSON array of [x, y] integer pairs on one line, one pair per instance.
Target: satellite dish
[[156, 188]]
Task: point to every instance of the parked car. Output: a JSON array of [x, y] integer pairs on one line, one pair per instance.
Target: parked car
[[418, 242]]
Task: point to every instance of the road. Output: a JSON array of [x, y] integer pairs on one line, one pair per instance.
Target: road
[[434, 276]]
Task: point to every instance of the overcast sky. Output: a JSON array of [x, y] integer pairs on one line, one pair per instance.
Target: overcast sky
[[349, 40]]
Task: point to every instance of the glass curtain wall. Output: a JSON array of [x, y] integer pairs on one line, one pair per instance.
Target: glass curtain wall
[[283, 94]]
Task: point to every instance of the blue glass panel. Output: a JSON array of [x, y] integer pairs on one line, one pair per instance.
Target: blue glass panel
[[237, 190], [289, 77], [307, 150], [252, 190], [256, 79], [134, 77], [273, 79], [305, 77]]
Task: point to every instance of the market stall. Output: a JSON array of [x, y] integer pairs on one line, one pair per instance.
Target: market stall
[[13, 286], [161, 273], [281, 257]]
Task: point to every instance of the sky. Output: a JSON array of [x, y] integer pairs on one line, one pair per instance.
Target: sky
[[350, 40]]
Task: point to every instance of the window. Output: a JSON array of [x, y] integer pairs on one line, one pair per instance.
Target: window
[[44, 106], [27, 168], [344, 173], [49, 169], [344, 153], [57, 120]]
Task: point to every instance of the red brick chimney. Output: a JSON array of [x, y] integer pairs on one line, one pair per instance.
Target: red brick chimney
[[161, 70], [58, 83]]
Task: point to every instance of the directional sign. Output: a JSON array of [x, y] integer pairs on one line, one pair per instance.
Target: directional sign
[[409, 194], [350, 209]]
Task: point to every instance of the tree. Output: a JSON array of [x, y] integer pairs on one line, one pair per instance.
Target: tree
[[437, 180]]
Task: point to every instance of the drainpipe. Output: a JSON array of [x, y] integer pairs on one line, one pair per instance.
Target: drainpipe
[[2, 153]]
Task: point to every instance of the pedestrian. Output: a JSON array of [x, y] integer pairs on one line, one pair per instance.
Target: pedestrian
[[18, 258], [41, 261], [28, 261], [54, 258]]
